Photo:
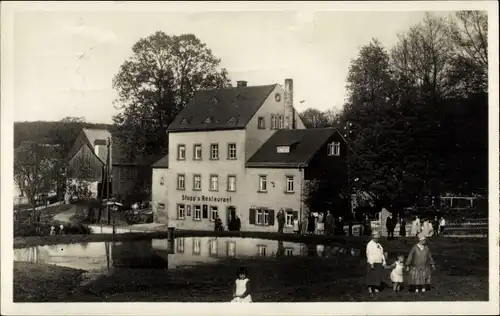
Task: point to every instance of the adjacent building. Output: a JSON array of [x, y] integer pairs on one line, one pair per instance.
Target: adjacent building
[[241, 151], [87, 158]]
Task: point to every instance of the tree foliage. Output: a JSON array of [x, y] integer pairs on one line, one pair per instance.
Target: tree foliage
[[418, 111], [157, 82]]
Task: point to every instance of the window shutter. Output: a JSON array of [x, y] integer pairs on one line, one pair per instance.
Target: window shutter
[[205, 211], [271, 217], [252, 216]]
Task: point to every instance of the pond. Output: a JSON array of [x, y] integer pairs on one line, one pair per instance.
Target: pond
[[162, 254]]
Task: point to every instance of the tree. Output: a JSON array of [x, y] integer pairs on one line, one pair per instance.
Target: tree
[[35, 169], [314, 118], [156, 83]]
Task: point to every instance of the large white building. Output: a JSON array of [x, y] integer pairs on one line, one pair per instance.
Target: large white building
[[240, 151]]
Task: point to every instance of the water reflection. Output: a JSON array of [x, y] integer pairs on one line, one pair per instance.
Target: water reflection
[[164, 254]]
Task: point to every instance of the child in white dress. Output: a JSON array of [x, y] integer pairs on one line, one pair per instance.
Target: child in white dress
[[397, 273], [242, 287]]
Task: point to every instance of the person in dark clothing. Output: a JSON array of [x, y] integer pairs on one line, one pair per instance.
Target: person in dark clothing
[[330, 223], [218, 224], [367, 226], [390, 224], [402, 227], [311, 223], [340, 226], [281, 220], [237, 223]]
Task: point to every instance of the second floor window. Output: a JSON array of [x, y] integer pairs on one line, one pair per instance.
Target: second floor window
[[214, 151], [181, 182], [214, 183], [263, 183], [289, 184], [197, 182], [197, 152], [181, 211], [334, 149], [231, 151], [231, 183], [181, 152]]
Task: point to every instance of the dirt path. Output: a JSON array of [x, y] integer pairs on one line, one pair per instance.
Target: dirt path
[[66, 215]]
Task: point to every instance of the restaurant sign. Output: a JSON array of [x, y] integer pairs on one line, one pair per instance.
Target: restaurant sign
[[204, 198]]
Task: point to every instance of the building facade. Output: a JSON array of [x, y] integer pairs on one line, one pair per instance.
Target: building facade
[[241, 152]]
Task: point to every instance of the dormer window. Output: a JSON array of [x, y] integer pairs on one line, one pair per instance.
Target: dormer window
[[283, 149], [208, 120], [333, 149]]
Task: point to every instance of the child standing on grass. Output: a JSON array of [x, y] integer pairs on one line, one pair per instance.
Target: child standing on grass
[[242, 287], [397, 273]]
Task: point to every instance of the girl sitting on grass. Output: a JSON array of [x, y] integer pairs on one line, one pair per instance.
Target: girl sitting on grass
[[242, 287]]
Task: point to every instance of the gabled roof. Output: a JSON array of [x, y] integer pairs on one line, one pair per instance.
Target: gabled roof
[[221, 109], [305, 143], [96, 134], [162, 163]]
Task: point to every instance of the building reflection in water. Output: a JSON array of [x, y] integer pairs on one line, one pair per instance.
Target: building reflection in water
[[164, 254]]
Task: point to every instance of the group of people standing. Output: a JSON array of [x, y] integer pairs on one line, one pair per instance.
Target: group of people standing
[[325, 224], [428, 227], [419, 263]]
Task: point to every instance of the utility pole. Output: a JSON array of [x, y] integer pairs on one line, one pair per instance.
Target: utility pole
[[108, 145], [347, 135]]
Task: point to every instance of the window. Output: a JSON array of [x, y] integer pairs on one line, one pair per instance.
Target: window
[[179, 245], [231, 249], [262, 217], [262, 183], [196, 247], [197, 212], [204, 213], [289, 252], [212, 247], [214, 151], [181, 182], [196, 182], [181, 211], [289, 184], [334, 149], [283, 149], [261, 250], [181, 152], [214, 212], [277, 121], [214, 183], [289, 215], [261, 122], [231, 151], [231, 183], [197, 152], [274, 121]]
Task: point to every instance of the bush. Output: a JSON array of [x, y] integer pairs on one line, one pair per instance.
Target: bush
[[26, 229]]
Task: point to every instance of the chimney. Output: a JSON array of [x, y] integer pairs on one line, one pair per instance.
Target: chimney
[[289, 109], [241, 84]]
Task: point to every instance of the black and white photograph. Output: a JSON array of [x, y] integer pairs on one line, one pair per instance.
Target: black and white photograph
[[335, 153]]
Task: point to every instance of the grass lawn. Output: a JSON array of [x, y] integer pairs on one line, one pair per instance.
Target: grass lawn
[[462, 274]]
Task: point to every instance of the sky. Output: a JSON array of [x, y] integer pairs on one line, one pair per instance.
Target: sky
[[313, 48]]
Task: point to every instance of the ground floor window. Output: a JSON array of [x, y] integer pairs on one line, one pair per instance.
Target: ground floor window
[[214, 212], [262, 216], [289, 215], [196, 247], [289, 252], [197, 212], [261, 250], [181, 211]]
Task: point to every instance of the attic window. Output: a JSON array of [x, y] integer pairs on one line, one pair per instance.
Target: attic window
[[208, 120], [232, 120], [283, 149]]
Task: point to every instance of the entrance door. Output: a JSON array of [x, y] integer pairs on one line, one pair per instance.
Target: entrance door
[[231, 214]]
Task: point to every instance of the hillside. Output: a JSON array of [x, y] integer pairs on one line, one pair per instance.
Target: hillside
[[60, 132]]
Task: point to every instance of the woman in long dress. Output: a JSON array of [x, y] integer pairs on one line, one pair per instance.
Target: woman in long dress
[[415, 227], [375, 259], [420, 264], [320, 225]]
